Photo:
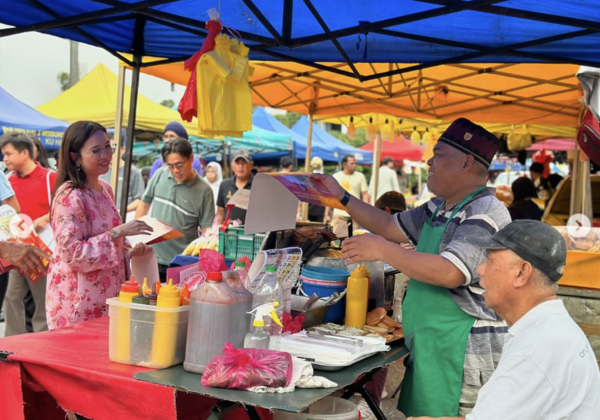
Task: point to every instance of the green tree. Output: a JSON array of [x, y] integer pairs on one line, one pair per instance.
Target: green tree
[[169, 103], [359, 141], [63, 80], [289, 119]]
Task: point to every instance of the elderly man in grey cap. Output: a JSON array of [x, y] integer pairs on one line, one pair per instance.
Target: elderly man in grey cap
[[548, 369], [241, 165]]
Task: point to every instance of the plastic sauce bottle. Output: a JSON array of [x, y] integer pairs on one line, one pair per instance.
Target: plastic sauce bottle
[[215, 310], [184, 295], [241, 326], [145, 289], [357, 298], [269, 291], [129, 290], [164, 339]]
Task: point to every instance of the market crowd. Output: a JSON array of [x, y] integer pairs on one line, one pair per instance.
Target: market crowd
[[483, 281]]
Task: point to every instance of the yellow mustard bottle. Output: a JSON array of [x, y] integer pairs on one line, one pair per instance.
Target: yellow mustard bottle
[[129, 290], [164, 339], [357, 298]]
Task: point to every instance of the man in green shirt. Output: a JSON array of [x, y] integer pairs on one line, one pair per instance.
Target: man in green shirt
[[179, 198]]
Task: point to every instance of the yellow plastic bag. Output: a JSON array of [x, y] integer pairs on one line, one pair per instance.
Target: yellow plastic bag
[[519, 140]]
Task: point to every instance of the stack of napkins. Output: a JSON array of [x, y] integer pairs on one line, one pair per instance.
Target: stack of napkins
[[330, 353]]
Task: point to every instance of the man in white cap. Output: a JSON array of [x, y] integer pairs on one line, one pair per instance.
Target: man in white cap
[[316, 213]]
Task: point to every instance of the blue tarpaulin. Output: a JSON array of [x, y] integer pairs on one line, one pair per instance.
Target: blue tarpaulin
[[16, 116], [401, 31], [323, 137], [261, 118]]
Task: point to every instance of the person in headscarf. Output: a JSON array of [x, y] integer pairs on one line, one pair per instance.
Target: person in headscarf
[[214, 177], [523, 207]]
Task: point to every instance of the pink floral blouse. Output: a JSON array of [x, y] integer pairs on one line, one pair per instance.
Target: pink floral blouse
[[88, 266]]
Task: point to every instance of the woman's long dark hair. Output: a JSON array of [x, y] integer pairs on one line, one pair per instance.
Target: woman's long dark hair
[[42, 157], [75, 137]]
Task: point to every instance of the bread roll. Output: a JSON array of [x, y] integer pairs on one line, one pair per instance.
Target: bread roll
[[398, 332], [375, 329], [390, 322], [376, 316]]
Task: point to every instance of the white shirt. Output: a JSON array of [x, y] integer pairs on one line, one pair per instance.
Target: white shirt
[[388, 181], [548, 371]]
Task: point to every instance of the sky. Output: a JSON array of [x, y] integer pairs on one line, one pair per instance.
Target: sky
[[30, 63]]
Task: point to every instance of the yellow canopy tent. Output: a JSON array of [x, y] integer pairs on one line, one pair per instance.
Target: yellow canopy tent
[[94, 98]]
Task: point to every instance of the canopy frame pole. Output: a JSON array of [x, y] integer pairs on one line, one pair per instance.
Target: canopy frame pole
[[376, 165], [307, 167], [114, 174], [138, 46], [225, 165]]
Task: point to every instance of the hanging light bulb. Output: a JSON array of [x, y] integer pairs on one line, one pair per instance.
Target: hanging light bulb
[[351, 133], [387, 131], [371, 131], [415, 137]]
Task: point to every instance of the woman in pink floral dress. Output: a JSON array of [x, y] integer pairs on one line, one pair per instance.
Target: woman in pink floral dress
[[89, 263]]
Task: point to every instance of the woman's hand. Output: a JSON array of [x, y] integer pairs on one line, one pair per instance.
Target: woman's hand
[[140, 249], [135, 227]]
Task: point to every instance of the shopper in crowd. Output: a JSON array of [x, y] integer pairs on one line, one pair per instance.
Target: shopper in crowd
[[542, 188], [91, 259], [7, 196], [355, 184], [391, 202], [523, 206], [136, 183], [286, 165], [316, 213], [214, 177], [241, 165], [179, 198], [554, 181], [388, 179], [548, 369], [443, 308], [32, 185], [172, 131], [39, 153], [146, 175]]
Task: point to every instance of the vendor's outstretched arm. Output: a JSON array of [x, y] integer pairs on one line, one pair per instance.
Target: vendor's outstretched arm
[[427, 268], [371, 218]]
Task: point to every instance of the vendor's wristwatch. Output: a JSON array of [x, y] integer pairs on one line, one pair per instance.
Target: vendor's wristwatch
[[345, 199]]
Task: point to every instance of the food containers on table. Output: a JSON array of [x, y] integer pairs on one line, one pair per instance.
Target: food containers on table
[[142, 325], [325, 281]]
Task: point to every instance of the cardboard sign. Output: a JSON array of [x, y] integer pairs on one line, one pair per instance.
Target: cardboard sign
[[274, 200], [162, 232]]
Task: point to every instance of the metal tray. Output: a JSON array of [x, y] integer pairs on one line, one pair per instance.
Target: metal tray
[[333, 368]]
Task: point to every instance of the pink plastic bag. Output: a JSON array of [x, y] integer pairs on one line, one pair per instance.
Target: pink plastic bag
[[245, 368]]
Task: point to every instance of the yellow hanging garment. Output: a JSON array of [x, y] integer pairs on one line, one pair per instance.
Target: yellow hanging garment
[[224, 96]]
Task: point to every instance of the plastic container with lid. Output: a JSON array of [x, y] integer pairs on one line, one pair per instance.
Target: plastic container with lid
[[217, 315], [142, 321], [328, 408]]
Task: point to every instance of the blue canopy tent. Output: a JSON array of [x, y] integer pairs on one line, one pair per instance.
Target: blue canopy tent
[[323, 137], [16, 116], [261, 118], [320, 34], [265, 147]]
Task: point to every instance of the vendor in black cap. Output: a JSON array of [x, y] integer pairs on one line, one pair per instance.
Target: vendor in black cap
[[548, 369], [241, 166], [455, 340]]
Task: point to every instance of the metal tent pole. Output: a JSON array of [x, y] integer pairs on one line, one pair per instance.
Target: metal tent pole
[[376, 165], [114, 177], [307, 160]]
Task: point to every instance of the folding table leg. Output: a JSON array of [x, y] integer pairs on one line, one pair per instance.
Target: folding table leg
[[359, 386]]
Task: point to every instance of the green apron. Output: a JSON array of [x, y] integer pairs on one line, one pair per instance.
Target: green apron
[[436, 332]]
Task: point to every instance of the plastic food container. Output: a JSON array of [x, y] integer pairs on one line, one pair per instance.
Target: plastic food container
[[325, 273], [329, 408], [308, 280], [141, 332]]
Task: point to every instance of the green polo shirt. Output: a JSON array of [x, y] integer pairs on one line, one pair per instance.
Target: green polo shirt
[[186, 207]]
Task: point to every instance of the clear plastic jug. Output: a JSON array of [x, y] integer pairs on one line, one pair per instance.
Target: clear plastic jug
[[217, 314]]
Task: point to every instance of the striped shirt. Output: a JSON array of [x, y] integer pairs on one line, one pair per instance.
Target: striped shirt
[[185, 206], [483, 215]]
